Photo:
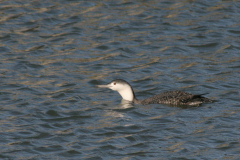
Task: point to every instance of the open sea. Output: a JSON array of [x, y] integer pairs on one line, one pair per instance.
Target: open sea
[[54, 53]]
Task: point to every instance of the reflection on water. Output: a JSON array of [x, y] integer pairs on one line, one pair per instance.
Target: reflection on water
[[126, 104], [54, 53]]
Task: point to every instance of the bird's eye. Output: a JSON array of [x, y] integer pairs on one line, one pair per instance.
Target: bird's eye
[[114, 83]]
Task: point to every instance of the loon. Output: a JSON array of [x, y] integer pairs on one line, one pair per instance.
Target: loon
[[170, 97]]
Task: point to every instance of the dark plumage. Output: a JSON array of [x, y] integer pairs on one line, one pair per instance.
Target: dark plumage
[[174, 98]]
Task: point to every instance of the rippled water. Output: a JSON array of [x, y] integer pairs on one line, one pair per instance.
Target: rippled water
[[54, 53]]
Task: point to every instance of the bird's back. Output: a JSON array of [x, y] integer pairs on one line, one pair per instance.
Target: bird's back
[[176, 98]]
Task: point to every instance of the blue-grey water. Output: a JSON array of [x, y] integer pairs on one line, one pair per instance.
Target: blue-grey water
[[54, 53]]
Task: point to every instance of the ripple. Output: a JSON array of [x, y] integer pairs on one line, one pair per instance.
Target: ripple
[[204, 45], [54, 53]]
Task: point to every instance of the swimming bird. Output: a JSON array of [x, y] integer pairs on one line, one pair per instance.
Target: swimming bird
[[170, 97]]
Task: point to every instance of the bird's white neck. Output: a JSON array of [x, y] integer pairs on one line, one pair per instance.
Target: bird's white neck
[[127, 93]]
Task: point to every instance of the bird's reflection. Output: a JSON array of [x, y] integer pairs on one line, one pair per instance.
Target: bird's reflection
[[126, 104]]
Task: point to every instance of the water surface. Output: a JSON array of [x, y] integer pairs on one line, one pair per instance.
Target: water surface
[[52, 54]]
